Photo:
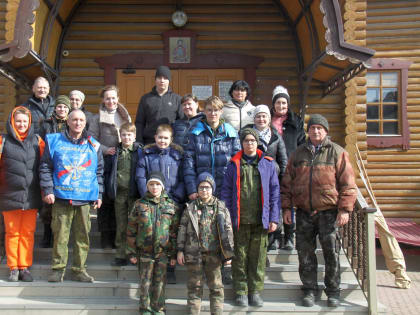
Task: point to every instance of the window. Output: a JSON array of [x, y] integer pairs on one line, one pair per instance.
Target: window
[[386, 103]]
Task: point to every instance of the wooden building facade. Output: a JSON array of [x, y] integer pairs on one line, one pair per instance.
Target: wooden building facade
[[315, 48]]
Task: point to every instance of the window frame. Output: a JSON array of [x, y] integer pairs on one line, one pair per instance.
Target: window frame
[[403, 140]]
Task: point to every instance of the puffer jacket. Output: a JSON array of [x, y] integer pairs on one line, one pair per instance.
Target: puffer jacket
[[190, 235], [19, 176], [152, 227], [237, 116], [167, 161], [270, 190], [102, 126], [293, 132], [276, 149], [40, 110], [155, 110], [110, 173], [319, 181], [183, 126], [206, 151]]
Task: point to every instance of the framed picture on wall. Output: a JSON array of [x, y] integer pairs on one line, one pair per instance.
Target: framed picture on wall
[[179, 49]]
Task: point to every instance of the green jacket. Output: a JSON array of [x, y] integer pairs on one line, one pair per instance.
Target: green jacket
[[152, 227]]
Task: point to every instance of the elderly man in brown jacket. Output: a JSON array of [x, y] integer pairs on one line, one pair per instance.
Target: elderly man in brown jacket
[[319, 182]]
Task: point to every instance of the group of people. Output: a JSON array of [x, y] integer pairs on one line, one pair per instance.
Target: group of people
[[201, 189]]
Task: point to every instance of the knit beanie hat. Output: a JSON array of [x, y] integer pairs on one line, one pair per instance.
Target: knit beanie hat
[[249, 131], [317, 119], [80, 94], [262, 109], [280, 91], [163, 71], [206, 177], [63, 99], [157, 177]]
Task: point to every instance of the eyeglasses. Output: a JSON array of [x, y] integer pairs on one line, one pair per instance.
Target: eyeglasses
[[250, 141], [212, 110], [204, 188]]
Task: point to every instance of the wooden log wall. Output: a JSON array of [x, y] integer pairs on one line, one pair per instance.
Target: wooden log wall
[[393, 30], [252, 27]]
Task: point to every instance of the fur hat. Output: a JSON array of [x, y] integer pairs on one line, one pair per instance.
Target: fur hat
[[262, 109], [206, 177], [280, 91], [317, 119], [63, 99], [157, 177], [163, 71], [249, 131]]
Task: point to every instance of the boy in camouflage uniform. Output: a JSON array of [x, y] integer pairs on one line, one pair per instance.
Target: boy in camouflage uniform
[[205, 240], [151, 241]]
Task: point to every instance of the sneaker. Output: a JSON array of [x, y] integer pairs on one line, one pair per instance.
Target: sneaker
[[333, 301], [241, 300], [14, 275], [118, 262], [226, 276], [25, 275], [288, 245], [57, 275], [81, 276], [255, 299], [170, 277], [308, 299]]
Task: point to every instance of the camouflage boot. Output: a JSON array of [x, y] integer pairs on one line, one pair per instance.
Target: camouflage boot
[[57, 275], [81, 276]]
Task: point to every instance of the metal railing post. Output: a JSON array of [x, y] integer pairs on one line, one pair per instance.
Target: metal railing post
[[371, 261]]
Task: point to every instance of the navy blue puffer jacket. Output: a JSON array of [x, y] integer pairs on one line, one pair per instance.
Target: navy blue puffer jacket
[[183, 126], [208, 151]]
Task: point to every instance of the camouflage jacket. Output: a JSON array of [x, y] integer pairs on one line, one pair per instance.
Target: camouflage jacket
[[152, 227], [205, 228], [321, 180]]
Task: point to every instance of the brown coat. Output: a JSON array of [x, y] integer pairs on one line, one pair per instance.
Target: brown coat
[[319, 181]]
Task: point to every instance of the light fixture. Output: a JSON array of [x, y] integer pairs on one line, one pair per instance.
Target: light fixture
[[179, 18]]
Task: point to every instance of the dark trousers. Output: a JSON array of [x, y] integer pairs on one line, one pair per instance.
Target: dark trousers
[[307, 228]]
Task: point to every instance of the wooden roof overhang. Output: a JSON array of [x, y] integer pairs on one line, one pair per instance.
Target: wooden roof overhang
[[324, 57]]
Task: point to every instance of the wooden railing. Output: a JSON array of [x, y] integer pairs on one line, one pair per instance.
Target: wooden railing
[[358, 243]]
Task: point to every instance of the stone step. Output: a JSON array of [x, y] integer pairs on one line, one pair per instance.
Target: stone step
[[106, 272], [40, 289], [129, 306]]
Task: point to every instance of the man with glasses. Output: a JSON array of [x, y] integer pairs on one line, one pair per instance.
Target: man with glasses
[[253, 201]]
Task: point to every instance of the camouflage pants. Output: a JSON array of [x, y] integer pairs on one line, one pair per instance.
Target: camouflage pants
[[152, 272], [123, 205], [248, 270], [307, 228], [211, 267], [66, 218]]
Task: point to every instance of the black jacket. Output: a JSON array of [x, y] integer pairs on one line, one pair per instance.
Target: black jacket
[[155, 110], [183, 126], [40, 111], [46, 169], [19, 178], [276, 149], [51, 125], [110, 173], [293, 132]]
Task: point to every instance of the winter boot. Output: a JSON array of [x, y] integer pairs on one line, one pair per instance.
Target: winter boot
[[289, 235]]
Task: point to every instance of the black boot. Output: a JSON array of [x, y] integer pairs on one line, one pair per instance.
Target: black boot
[[289, 236], [47, 239], [106, 242], [170, 275], [272, 245]]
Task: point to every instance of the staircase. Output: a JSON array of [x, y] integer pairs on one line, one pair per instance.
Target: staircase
[[115, 289]]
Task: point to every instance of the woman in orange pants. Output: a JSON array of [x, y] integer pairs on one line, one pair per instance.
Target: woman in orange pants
[[20, 196]]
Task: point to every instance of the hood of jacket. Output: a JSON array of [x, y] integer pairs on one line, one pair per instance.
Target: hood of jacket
[[175, 150], [224, 129], [107, 118], [12, 132]]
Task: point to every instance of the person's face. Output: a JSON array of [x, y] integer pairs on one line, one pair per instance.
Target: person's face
[[62, 111], [205, 191], [127, 138], [249, 145], [163, 139], [281, 106], [21, 122], [189, 107], [212, 114], [77, 123], [261, 121], [155, 188], [41, 89], [317, 134], [75, 101], [111, 99], [239, 95], [162, 83]]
